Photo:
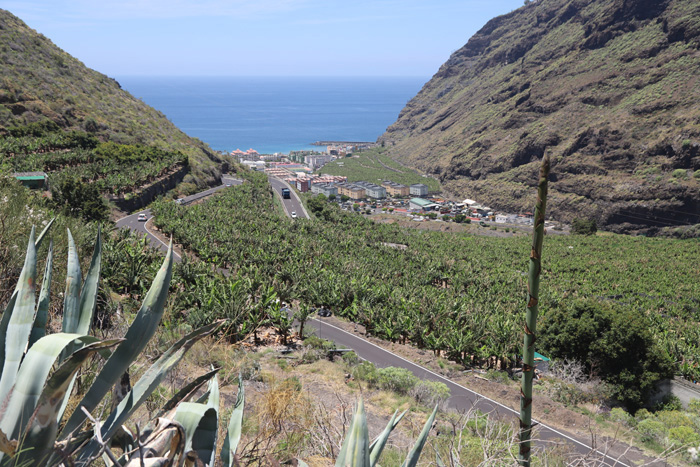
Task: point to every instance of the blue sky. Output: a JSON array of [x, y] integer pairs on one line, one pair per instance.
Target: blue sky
[[260, 37]]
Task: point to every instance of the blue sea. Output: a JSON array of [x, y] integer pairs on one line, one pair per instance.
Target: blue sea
[[276, 114]]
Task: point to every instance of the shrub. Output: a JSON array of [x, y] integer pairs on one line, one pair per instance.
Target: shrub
[[670, 402], [680, 173], [430, 392], [459, 218], [584, 227], [351, 358], [694, 406], [619, 415], [398, 380], [696, 174], [366, 371], [652, 430], [673, 418], [682, 436]]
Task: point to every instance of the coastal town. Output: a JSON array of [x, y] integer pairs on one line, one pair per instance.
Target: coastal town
[[301, 170]]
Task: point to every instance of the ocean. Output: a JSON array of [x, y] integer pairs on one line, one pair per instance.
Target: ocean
[[276, 114]]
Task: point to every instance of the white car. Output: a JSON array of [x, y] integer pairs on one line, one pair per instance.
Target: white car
[[143, 217], [294, 214]]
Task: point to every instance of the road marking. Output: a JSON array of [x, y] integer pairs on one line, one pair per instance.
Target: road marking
[[616, 461]]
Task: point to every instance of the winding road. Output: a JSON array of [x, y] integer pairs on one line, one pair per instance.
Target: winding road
[[462, 398]]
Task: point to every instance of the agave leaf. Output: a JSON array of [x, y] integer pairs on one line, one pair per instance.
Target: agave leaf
[[88, 294], [438, 460], [31, 377], [42, 309], [355, 449], [184, 394], [40, 435], [4, 323], [146, 385], [201, 425], [43, 233], [301, 463], [20, 323], [71, 298], [377, 446], [138, 335], [213, 399], [235, 426], [412, 459]]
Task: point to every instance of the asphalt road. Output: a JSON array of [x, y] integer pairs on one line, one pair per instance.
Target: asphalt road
[[461, 397], [291, 205], [134, 224]]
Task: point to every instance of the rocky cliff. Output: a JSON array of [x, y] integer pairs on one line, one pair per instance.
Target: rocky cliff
[[610, 88]]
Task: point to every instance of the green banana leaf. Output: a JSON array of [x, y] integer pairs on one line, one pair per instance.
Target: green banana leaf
[[140, 332], [235, 426]]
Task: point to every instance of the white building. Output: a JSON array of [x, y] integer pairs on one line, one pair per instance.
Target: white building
[[418, 189], [326, 190], [372, 190], [314, 161]]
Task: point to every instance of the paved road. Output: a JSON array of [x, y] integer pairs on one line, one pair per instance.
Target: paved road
[[464, 399], [293, 204], [134, 224], [461, 397]]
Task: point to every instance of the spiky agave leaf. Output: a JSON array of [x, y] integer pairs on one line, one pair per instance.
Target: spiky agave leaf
[[235, 427], [138, 335], [32, 376], [42, 309], [201, 425], [42, 427], [377, 446], [71, 296], [355, 449], [184, 394], [145, 386], [20, 322], [414, 454]]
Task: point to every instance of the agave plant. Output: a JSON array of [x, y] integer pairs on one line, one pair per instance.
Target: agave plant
[[33, 398], [357, 451]]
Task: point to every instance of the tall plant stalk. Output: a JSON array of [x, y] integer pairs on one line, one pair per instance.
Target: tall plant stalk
[[533, 287]]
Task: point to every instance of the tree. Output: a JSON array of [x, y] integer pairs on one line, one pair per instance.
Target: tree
[[344, 198], [613, 343], [79, 199], [331, 197]]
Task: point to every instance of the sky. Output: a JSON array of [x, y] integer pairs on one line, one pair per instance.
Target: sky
[[260, 37]]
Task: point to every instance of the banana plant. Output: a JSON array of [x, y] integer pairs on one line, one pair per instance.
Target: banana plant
[[34, 397]]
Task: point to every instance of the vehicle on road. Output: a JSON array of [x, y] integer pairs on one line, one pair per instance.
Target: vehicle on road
[[142, 217], [179, 201], [323, 312], [286, 194], [294, 214]]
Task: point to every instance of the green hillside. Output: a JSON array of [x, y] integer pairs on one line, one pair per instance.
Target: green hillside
[[39, 82], [609, 88]]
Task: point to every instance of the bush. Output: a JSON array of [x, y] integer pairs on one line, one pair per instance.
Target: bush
[[366, 371], [398, 380], [670, 402], [682, 436], [680, 173], [652, 430], [694, 406], [351, 358], [584, 227], [430, 392], [620, 416]]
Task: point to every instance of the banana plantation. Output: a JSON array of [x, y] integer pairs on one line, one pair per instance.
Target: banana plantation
[[113, 168], [460, 296]]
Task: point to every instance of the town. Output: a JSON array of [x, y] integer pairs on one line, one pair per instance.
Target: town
[[300, 169]]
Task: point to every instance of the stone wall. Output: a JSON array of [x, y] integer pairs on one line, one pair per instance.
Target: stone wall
[[684, 390], [138, 200]]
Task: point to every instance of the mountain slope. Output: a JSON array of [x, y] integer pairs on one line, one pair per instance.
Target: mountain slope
[[38, 80], [610, 88]]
